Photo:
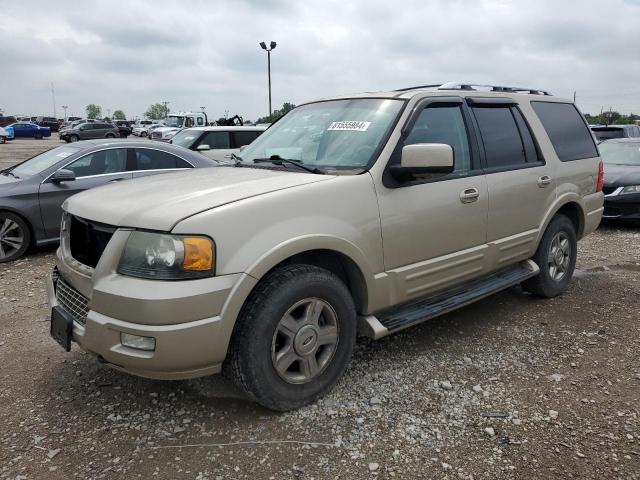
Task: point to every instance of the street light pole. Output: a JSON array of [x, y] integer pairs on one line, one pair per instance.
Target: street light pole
[[272, 45], [64, 107]]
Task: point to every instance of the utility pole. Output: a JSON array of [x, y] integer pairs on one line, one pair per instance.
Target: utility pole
[[53, 98], [574, 96], [64, 107]]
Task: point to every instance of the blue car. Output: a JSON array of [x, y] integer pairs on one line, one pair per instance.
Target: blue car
[[28, 130]]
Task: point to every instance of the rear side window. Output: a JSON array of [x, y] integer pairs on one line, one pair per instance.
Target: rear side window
[[566, 129], [147, 159], [242, 138], [501, 138]]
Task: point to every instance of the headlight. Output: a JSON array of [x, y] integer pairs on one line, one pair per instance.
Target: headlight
[[167, 257], [630, 189]]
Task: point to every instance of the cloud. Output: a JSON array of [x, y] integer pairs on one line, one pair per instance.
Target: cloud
[[127, 55]]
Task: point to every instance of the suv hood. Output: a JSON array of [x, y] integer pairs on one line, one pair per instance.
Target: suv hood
[[159, 202]]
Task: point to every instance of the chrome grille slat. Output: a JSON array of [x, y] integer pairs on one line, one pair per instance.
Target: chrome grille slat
[[72, 301]]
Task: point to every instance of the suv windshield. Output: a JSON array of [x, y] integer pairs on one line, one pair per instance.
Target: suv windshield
[[41, 162], [185, 138], [336, 134], [620, 153], [174, 121]]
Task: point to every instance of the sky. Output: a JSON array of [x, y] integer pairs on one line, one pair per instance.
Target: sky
[[128, 55]]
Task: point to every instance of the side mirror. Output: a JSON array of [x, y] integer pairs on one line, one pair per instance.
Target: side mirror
[[202, 148], [423, 158], [243, 147], [63, 175]]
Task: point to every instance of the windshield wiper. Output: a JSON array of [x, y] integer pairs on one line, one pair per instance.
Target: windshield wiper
[[237, 158], [278, 160], [9, 172]]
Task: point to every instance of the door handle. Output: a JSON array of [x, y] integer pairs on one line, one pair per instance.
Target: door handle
[[469, 195], [544, 180]]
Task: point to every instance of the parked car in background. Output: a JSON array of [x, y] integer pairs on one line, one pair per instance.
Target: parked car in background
[[4, 135], [32, 192], [176, 122], [217, 143], [606, 132], [88, 131], [4, 121], [73, 119], [146, 130], [124, 127], [621, 158], [29, 130], [368, 213], [50, 122]]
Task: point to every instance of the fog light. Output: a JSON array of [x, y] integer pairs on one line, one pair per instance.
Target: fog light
[[138, 342]]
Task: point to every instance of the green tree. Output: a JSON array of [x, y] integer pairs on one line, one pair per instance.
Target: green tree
[[157, 111], [119, 115], [93, 111], [286, 108]]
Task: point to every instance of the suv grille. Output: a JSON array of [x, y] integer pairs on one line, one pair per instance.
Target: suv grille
[[72, 301], [87, 240]]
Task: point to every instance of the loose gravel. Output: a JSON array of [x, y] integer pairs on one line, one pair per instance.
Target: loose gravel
[[512, 387]]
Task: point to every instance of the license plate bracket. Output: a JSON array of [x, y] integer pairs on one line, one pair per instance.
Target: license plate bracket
[[61, 329]]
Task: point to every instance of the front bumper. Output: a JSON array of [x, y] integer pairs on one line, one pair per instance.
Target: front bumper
[[191, 345], [622, 207]]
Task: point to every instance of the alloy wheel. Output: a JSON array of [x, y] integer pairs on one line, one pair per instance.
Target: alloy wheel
[[559, 256], [11, 238], [305, 340]]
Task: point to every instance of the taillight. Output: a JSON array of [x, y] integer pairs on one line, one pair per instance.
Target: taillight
[[600, 177]]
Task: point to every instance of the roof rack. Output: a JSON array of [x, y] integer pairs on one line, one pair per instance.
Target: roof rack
[[474, 87]]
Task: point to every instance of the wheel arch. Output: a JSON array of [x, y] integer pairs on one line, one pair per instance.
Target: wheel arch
[[570, 206], [340, 257]]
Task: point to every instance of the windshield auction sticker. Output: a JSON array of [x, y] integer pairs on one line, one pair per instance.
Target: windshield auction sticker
[[352, 126]]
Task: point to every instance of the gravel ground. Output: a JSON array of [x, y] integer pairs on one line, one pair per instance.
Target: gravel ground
[[512, 387]]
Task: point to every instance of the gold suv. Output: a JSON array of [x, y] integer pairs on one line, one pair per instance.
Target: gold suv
[[367, 213]]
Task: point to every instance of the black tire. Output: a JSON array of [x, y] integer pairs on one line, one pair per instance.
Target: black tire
[[143, 134], [73, 138], [3, 139], [110, 135], [13, 227], [544, 284], [37, 136], [251, 357]]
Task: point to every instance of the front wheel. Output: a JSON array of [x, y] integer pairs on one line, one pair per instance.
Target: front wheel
[[556, 257], [73, 138], [14, 237], [294, 337]]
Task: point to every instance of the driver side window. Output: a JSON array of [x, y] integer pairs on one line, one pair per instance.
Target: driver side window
[[100, 163], [444, 125]]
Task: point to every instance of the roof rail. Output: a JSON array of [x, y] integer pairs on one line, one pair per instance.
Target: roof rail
[[473, 87]]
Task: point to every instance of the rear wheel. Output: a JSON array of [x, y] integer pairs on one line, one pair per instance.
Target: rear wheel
[[143, 134], [110, 135], [556, 257], [38, 136], [294, 337], [73, 138], [14, 237]]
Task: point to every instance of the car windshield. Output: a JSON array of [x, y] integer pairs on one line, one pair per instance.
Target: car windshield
[[174, 121], [620, 153], [41, 162], [331, 135], [185, 138]]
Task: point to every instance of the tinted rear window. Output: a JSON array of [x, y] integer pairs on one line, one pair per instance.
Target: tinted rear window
[[566, 129]]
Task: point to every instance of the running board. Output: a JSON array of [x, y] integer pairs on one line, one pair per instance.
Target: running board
[[418, 311]]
